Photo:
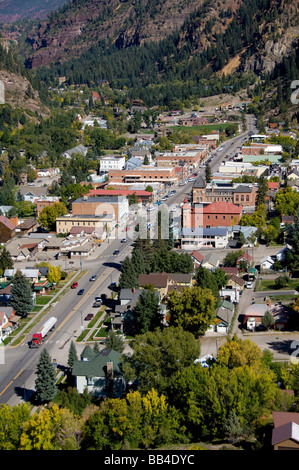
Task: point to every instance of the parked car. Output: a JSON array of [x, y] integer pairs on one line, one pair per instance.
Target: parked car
[[81, 292], [74, 285], [89, 316], [249, 285], [124, 240], [97, 304], [98, 299], [93, 278]]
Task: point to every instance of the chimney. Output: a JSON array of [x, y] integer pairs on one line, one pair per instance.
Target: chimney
[[14, 220], [133, 290], [110, 379], [269, 303]]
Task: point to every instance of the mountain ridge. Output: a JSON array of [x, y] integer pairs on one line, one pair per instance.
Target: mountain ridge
[[18, 10]]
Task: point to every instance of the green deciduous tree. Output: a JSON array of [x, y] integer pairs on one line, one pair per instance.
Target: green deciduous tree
[[12, 420], [158, 355], [135, 422], [287, 201], [193, 309], [51, 428], [48, 216]]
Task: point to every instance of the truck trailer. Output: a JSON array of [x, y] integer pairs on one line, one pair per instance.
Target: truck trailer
[[38, 337]]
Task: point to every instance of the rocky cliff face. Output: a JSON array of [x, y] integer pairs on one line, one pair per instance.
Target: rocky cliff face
[[68, 33], [123, 22], [15, 94], [16, 10]]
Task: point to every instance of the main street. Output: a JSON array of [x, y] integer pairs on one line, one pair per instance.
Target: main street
[[17, 370]]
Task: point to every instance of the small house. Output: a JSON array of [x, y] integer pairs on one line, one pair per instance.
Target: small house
[[100, 373], [285, 435]]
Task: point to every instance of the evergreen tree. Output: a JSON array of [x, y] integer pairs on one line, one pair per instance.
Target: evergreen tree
[[5, 260], [268, 320], [147, 312], [138, 261], [21, 295], [45, 383], [72, 355], [262, 191], [114, 341], [128, 278], [208, 173]]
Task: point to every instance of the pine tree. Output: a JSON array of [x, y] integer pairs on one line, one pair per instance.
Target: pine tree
[[45, 385], [208, 173], [21, 295], [138, 261], [6, 261], [128, 277], [114, 341], [72, 355]]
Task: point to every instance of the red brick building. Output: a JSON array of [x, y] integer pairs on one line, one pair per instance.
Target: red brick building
[[143, 174], [143, 195], [239, 194], [216, 214]]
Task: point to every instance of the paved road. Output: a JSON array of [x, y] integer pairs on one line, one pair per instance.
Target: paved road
[[283, 345], [17, 372]]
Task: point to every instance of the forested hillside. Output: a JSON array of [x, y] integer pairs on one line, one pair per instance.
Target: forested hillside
[[205, 49]]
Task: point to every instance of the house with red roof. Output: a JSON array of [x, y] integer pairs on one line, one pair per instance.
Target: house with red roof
[[145, 196], [285, 434], [215, 214], [273, 185], [246, 257], [221, 214], [7, 229], [197, 258]]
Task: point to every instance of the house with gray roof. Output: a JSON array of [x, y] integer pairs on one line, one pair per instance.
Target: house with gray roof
[[78, 150], [198, 238], [100, 373]]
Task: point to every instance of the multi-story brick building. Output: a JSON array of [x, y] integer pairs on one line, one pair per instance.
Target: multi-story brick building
[[256, 148], [100, 205], [143, 174], [235, 193], [98, 223], [191, 157], [145, 196], [216, 214]]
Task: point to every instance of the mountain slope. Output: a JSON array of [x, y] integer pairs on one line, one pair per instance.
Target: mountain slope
[[163, 49], [81, 24], [16, 10], [21, 90]]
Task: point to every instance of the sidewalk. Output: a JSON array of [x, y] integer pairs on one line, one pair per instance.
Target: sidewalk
[[39, 314]]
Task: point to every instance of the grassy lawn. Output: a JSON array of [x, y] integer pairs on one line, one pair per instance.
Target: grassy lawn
[[270, 285], [204, 128], [43, 300]]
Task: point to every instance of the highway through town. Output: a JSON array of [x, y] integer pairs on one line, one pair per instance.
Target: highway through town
[[18, 363]]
